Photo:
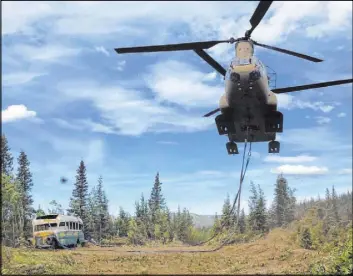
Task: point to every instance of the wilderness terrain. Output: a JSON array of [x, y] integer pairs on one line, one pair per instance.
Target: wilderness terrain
[[277, 252], [311, 236]]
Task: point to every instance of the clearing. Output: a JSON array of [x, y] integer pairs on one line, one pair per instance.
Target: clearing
[[276, 253]]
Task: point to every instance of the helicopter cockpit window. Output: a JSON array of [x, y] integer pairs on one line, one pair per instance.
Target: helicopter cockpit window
[[241, 61]]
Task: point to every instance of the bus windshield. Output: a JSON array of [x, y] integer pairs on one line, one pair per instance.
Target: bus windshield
[[46, 226]]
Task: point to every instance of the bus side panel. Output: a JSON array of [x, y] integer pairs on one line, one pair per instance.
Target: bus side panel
[[67, 238], [81, 237]]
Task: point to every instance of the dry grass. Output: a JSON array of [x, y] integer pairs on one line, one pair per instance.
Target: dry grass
[[276, 253]]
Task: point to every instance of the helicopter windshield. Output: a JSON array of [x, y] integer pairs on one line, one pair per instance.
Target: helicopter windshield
[[240, 61]]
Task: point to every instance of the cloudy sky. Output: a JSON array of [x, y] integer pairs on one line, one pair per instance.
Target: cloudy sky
[[67, 96]]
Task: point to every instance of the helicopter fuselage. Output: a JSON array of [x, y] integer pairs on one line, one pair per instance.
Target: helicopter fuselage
[[248, 101]]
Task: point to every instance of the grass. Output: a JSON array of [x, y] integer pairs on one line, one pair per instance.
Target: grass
[[275, 253]]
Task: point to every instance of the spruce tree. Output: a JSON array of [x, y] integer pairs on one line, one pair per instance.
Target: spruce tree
[[123, 223], [335, 205], [261, 212], [56, 208], [78, 201], [6, 157], [242, 224], [257, 207], [92, 215], [156, 201], [103, 215], [327, 195], [227, 218], [284, 202], [24, 179], [39, 211]]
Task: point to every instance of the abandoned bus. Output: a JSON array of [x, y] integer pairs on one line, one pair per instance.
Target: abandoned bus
[[57, 231]]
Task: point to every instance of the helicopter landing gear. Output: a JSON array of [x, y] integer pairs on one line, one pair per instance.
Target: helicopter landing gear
[[273, 147], [274, 122], [224, 126], [232, 148]]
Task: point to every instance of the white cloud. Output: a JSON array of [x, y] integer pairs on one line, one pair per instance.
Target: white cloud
[[346, 171], [323, 120], [45, 53], [326, 108], [177, 82], [16, 112], [338, 17], [210, 76], [121, 65], [289, 102], [116, 103], [299, 169], [216, 20], [341, 115], [19, 78], [315, 139], [102, 50], [168, 142], [289, 159]]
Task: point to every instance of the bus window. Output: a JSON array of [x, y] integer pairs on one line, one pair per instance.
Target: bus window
[[53, 225], [46, 226], [62, 224], [71, 226], [80, 226]]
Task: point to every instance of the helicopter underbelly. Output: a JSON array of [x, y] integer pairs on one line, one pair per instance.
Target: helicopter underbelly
[[248, 97], [248, 88]]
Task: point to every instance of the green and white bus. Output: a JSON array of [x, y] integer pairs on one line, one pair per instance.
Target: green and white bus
[[57, 231]]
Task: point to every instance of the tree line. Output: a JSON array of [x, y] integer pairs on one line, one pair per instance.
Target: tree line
[[313, 221]]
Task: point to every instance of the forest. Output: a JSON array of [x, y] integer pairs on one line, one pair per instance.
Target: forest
[[320, 224]]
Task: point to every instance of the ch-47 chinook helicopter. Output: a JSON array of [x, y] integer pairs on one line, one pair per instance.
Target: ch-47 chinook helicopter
[[248, 106]]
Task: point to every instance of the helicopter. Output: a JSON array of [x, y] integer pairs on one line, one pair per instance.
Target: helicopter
[[248, 106]]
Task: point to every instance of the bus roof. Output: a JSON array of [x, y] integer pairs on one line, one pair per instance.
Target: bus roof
[[58, 217]]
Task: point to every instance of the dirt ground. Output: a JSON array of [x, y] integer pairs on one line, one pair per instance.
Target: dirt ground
[[277, 253]]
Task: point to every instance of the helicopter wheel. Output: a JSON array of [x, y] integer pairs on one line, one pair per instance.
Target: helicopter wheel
[[273, 147], [232, 148]]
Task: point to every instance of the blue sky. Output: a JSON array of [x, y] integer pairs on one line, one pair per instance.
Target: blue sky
[[67, 95]]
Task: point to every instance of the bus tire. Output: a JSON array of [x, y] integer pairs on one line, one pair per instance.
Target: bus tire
[[54, 244]]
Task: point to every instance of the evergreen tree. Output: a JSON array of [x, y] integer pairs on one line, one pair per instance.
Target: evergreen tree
[[156, 201], [306, 240], [216, 225], [327, 195], [227, 218], [56, 208], [6, 157], [78, 201], [39, 212], [284, 203], [123, 223], [334, 205], [24, 179], [92, 215], [102, 208], [261, 218], [242, 223], [257, 207]]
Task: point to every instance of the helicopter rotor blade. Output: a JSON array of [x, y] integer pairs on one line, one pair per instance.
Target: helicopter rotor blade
[[212, 112], [206, 57], [258, 14], [288, 52], [171, 47], [310, 86]]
